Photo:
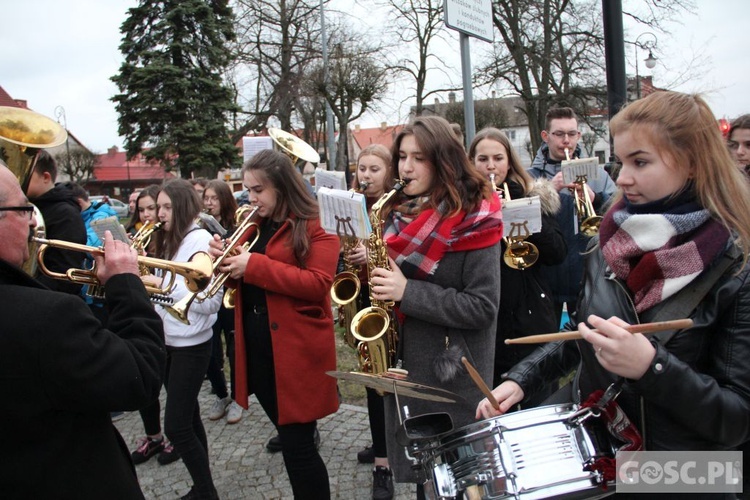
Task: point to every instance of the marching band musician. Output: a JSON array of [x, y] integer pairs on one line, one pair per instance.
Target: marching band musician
[[680, 222], [69, 370], [188, 345], [284, 339], [527, 308], [442, 234], [374, 170]]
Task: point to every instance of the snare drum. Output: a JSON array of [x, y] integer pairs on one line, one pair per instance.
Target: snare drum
[[530, 454]]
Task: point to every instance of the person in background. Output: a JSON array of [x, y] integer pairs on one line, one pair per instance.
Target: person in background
[[199, 184], [526, 307], [373, 169], [220, 203], [442, 233], [132, 202], [738, 142], [188, 344], [62, 220], [89, 213], [561, 134], [682, 212], [284, 342], [153, 444], [70, 370]]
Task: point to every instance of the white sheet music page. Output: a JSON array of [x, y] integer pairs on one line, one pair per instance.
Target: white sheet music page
[[344, 213], [111, 224], [572, 169], [522, 217], [331, 179]]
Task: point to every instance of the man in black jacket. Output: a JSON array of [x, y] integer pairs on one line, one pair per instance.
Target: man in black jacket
[[62, 372], [62, 220]]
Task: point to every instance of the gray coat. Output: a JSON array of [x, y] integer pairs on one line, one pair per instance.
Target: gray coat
[[459, 301]]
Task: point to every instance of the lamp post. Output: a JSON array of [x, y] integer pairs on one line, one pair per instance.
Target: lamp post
[[650, 60], [60, 114]]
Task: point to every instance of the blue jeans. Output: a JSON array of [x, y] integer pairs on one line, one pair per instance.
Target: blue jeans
[[186, 367]]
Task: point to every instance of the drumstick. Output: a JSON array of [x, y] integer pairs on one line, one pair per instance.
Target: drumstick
[[645, 329], [480, 383]]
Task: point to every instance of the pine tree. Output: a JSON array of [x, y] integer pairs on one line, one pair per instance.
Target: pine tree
[[173, 103]]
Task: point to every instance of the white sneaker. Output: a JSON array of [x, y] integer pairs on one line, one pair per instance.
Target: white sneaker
[[219, 408], [234, 414]]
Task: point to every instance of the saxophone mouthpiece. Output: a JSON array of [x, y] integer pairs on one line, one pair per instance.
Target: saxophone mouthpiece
[[401, 183], [363, 186]]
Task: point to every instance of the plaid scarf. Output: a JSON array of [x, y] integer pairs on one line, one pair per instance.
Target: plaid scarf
[[417, 239], [657, 250]]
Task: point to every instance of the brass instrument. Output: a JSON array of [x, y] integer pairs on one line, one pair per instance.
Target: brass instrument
[[196, 272], [180, 309], [346, 285], [293, 146], [141, 241], [588, 221], [519, 253], [22, 133], [373, 326]]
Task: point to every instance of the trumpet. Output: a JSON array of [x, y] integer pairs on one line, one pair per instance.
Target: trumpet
[[196, 272], [588, 221], [180, 309], [519, 253]]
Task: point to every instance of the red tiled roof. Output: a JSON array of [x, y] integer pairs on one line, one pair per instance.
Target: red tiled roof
[[114, 166], [7, 100], [379, 135]]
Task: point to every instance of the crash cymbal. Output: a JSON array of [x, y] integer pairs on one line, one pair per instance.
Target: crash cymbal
[[385, 383]]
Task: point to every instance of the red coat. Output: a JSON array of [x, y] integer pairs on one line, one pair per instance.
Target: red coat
[[301, 324]]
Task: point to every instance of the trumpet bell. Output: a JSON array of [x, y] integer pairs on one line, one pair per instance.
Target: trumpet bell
[[293, 146], [520, 255], [590, 225], [198, 274]]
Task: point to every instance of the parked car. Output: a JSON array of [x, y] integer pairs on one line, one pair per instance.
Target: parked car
[[120, 208]]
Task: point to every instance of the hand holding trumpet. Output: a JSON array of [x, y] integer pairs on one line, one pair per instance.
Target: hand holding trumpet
[[233, 265], [117, 258]]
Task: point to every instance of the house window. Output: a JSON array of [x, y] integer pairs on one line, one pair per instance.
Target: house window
[[600, 154], [511, 134]]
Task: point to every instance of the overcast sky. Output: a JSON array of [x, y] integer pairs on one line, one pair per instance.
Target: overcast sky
[[64, 53]]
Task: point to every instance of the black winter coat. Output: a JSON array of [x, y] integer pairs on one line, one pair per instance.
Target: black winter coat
[[61, 374], [696, 393], [63, 221], [526, 302]]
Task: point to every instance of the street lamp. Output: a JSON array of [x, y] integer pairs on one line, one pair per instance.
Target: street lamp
[[60, 114], [650, 60]]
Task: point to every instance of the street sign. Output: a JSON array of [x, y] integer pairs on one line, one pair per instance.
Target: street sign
[[471, 17]]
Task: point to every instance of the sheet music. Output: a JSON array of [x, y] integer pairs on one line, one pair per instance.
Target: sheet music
[[582, 166], [522, 217], [343, 213], [253, 145], [111, 224], [332, 179]]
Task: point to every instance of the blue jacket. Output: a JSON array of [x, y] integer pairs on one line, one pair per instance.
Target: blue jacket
[[96, 211], [565, 278]]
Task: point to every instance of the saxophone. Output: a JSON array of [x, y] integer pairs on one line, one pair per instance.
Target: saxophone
[[346, 285], [373, 326]]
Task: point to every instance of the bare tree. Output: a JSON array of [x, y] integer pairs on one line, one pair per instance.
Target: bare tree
[[277, 41], [415, 26], [356, 80], [78, 164]]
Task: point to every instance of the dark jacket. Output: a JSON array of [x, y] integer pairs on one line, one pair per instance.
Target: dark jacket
[[696, 393], [62, 220], [61, 374], [526, 304], [565, 278]]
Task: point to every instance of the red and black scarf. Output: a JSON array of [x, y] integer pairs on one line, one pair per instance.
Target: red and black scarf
[[417, 239]]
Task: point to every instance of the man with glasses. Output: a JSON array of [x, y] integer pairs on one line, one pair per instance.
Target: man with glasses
[[62, 372], [560, 134]]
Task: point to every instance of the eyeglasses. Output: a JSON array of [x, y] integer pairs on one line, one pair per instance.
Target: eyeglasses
[[560, 134], [29, 209]]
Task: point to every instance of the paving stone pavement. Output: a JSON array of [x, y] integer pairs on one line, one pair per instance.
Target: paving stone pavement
[[243, 469]]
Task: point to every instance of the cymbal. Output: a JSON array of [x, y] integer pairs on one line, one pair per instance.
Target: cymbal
[[403, 387]]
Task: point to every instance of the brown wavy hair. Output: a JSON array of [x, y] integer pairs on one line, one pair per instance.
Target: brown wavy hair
[[294, 203], [227, 202], [457, 182], [684, 130], [186, 205]]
